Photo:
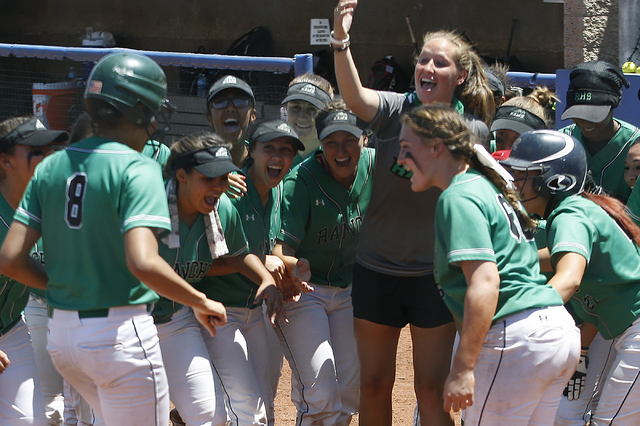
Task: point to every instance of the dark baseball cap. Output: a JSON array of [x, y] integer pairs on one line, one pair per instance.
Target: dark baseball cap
[[595, 88], [230, 82], [307, 92], [270, 130], [517, 119], [33, 133], [212, 161], [337, 121]]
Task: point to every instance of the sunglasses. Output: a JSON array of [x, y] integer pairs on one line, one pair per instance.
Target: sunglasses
[[224, 102]]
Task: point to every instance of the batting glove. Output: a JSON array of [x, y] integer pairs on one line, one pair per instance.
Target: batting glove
[[579, 380]]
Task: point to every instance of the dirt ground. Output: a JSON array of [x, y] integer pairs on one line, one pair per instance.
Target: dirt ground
[[403, 395]]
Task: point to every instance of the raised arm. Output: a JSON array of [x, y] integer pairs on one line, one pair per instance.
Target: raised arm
[[362, 101]]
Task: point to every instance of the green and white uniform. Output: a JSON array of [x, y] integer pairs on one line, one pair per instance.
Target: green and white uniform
[[184, 352], [157, 151], [261, 226], [609, 292], [78, 194], [82, 200], [609, 298], [607, 166], [321, 220], [475, 222], [20, 395], [533, 344], [238, 350]]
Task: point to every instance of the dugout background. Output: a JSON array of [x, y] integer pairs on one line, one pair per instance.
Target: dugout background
[[379, 29]]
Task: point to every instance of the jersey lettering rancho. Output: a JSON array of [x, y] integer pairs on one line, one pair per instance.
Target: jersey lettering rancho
[[321, 219], [82, 200], [608, 294], [193, 259], [475, 222]]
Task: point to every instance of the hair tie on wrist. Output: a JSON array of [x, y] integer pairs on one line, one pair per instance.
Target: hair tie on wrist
[[339, 45]]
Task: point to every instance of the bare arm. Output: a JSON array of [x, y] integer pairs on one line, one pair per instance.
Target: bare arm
[[4, 361], [251, 267], [588, 332], [362, 101], [570, 269], [298, 274], [15, 257], [481, 300], [144, 262], [220, 267], [545, 259]]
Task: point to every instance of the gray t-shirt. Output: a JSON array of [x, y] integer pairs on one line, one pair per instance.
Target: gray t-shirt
[[397, 235]]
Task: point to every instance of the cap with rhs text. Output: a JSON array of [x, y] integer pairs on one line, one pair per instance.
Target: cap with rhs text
[[517, 119], [212, 161], [595, 88]]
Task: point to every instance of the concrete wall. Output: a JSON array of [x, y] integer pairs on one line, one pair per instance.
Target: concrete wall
[[591, 31], [379, 28]]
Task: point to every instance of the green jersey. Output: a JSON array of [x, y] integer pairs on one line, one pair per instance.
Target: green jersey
[[321, 219], [475, 222], [82, 200], [261, 225], [609, 294], [157, 151], [13, 295], [607, 166], [223, 291]]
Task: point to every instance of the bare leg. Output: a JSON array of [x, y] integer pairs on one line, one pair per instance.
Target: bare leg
[[431, 361], [377, 346]]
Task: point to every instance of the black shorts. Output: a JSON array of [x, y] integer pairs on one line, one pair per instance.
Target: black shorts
[[398, 301]]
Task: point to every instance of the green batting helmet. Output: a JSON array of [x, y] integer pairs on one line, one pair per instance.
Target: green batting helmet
[[133, 83]]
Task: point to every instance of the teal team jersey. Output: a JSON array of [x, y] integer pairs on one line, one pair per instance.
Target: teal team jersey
[[609, 295], [157, 151], [607, 166], [261, 226], [13, 295], [82, 200], [475, 222], [321, 219], [237, 244]]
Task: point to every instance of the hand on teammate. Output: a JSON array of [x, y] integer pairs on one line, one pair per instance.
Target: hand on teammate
[[4, 362], [210, 315], [458, 390], [578, 381], [293, 285], [237, 185], [271, 296], [343, 17], [276, 267]]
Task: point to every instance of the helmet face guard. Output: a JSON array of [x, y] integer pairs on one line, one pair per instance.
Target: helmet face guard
[[133, 83], [559, 157]]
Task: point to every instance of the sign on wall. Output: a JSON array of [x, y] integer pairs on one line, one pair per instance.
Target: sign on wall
[[320, 32]]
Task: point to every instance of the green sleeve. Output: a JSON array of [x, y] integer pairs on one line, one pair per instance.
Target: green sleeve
[[464, 229], [295, 210], [29, 211], [143, 201], [568, 231]]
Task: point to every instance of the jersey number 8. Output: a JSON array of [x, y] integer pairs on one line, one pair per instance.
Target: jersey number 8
[[76, 186]]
